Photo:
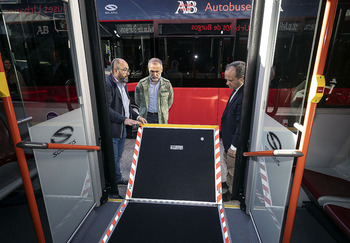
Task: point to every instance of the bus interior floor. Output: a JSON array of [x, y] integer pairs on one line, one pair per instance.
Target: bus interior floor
[[15, 217], [16, 225], [240, 226]]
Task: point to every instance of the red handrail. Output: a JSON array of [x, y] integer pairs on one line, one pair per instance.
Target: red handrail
[[43, 145], [72, 146], [274, 153], [258, 153]]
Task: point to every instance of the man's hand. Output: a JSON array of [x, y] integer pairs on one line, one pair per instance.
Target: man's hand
[[142, 120], [231, 152], [130, 122]]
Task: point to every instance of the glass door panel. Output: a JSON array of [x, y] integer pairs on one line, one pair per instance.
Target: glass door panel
[[40, 47], [271, 181], [285, 54]]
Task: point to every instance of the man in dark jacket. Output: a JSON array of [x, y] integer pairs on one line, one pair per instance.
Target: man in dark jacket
[[234, 75], [120, 111]]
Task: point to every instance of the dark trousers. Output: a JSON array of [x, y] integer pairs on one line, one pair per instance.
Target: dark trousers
[[152, 117]]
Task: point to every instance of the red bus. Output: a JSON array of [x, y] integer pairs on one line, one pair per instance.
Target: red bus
[[202, 40], [202, 36]]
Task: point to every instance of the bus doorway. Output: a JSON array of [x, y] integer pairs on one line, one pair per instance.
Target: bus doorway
[[50, 85]]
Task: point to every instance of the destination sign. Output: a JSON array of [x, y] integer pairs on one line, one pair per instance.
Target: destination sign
[[195, 29]]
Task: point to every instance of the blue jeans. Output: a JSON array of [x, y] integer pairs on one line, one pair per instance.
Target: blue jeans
[[118, 147]]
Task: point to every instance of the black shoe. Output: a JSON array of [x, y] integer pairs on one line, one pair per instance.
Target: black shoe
[[224, 185], [122, 182], [115, 196], [226, 197]]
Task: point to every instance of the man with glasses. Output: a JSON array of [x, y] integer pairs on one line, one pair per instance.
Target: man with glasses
[[120, 111], [154, 94]]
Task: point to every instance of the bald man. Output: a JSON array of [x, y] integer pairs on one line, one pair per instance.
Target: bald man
[[120, 112]]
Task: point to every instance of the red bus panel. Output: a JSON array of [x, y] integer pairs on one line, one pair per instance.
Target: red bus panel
[[202, 106]]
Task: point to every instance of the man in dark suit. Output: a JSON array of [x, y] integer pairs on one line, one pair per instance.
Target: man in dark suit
[[120, 111], [234, 75]]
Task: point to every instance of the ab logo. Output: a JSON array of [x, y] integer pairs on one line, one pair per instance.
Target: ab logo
[[187, 8], [43, 30]]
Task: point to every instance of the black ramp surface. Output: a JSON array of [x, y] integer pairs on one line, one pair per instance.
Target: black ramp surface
[[145, 222], [171, 174]]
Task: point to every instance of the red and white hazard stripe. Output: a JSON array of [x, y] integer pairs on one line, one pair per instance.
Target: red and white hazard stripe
[[134, 164], [265, 182], [269, 209], [259, 196], [223, 223], [86, 186], [266, 198], [114, 222], [217, 167]]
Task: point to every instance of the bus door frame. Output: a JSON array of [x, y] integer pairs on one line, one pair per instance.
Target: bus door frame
[[263, 31], [85, 58], [316, 91]]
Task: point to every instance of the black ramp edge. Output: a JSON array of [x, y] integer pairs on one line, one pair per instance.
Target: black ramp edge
[[146, 222], [185, 172]]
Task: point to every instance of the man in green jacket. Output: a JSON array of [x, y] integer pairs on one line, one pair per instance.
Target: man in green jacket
[[154, 94]]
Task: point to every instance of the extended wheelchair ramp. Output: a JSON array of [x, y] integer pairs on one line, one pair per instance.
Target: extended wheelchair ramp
[[174, 192]]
